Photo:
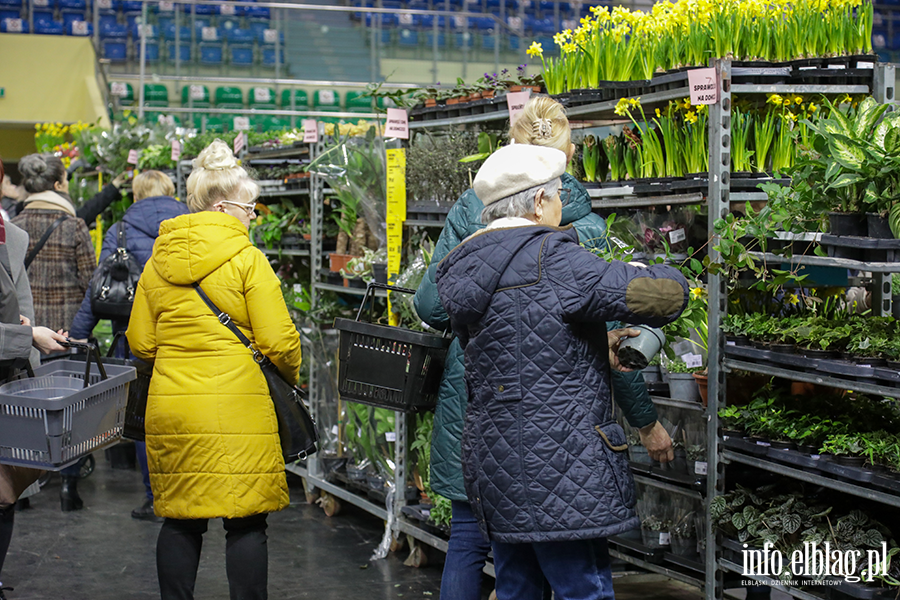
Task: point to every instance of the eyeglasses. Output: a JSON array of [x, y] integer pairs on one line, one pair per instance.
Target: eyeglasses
[[564, 194], [248, 208]]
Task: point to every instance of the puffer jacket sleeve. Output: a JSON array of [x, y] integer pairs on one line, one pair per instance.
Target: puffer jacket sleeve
[[85, 321], [141, 332], [85, 256], [426, 301], [275, 334], [631, 395], [100, 202], [591, 231], [591, 289]]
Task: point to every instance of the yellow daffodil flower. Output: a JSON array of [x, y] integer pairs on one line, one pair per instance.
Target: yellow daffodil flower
[[535, 49]]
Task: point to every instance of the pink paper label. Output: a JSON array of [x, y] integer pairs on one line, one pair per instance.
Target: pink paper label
[[397, 124], [704, 86], [516, 103], [132, 157], [239, 140], [310, 131], [176, 150]]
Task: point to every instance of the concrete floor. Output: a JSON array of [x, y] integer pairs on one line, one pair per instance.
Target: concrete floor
[[101, 553]]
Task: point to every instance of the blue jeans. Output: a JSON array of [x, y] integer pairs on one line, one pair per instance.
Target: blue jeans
[[140, 448], [576, 570], [466, 556]]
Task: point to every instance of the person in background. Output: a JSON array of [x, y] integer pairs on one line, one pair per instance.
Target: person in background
[[61, 270], [544, 461], [90, 210], [542, 123], [212, 434], [153, 203]]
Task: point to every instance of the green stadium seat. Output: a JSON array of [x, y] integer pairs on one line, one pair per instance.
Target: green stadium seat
[[229, 96], [301, 99], [199, 98], [156, 92], [262, 97], [326, 100], [357, 103], [123, 91]]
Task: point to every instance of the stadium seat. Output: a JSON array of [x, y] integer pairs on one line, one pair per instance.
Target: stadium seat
[[229, 95], [14, 26], [156, 92], [300, 97], [126, 96], [326, 99], [268, 56], [49, 28], [262, 97]]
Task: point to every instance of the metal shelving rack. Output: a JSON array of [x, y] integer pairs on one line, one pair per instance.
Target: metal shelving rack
[[719, 198]]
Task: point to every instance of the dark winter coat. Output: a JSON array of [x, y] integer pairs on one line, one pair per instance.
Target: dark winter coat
[[543, 459], [464, 219], [141, 222]]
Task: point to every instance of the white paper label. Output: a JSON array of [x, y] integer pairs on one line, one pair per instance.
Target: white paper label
[[310, 131], [132, 157], [397, 124], [815, 456], [692, 361], [805, 68], [166, 120], [145, 31], [176, 150], [166, 6], [516, 101], [239, 139], [226, 9], [663, 538], [515, 23], [865, 65], [326, 96], [262, 94], [704, 86], [764, 444], [14, 25], [334, 430], [41, 3], [459, 22], [241, 124], [390, 436], [270, 36], [79, 28], [118, 88], [104, 4], [197, 92], [731, 343], [618, 242], [700, 468], [209, 34], [838, 67], [677, 235], [406, 19]]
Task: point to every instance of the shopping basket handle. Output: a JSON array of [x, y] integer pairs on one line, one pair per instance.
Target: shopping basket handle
[[370, 290], [92, 350], [112, 347]]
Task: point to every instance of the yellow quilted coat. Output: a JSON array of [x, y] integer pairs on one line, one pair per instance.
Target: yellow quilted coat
[[212, 434]]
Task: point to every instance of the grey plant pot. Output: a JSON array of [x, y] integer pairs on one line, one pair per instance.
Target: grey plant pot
[[637, 352], [683, 386], [639, 454], [652, 374]]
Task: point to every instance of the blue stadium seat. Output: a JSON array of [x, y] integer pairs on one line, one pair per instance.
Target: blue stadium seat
[[7, 4], [43, 15], [257, 26], [68, 16], [488, 41], [201, 22], [211, 53], [484, 23], [184, 33], [408, 38], [464, 40], [152, 50], [113, 43], [107, 18], [429, 40], [48, 27], [258, 12], [240, 47], [239, 36], [387, 20], [408, 20], [512, 42], [73, 5], [10, 14], [201, 9], [165, 20], [427, 22], [226, 23], [184, 50], [129, 6], [268, 55], [387, 37], [392, 4], [14, 26]]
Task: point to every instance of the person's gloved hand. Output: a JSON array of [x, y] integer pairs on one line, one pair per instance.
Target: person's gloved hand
[[614, 338], [656, 440], [120, 179], [45, 339]]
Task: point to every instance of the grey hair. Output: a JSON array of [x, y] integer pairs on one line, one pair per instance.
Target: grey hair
[[40, 172], [520, 203]]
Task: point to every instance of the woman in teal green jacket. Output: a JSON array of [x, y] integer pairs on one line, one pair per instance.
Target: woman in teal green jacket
[[543, 123]]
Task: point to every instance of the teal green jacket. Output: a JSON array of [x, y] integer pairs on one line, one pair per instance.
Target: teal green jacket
[[464, 219]]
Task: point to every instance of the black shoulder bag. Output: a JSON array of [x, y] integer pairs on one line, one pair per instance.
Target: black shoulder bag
[[115, 281], [296, 427], [37, 247]]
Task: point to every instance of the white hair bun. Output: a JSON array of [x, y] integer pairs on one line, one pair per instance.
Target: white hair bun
[[216, 157]]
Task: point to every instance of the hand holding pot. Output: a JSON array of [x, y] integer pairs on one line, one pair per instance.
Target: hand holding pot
[[656, 440], [614, 338]]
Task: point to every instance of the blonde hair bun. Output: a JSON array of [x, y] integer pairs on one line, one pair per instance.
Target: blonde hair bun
[[542, 122], [216, 157]]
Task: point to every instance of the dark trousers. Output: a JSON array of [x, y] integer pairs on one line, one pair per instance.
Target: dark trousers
[[7, 518], [467, 553], [140, 449], [246, 557]]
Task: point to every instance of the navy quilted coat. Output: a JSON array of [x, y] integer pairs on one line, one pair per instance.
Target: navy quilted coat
[[142, 220], [464, 219], [543, 460]]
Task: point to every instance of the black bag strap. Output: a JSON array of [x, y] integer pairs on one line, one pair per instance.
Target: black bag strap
[[120, 241], [37, 247], [225, 319]]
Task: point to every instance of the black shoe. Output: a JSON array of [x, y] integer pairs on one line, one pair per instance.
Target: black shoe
[[69, 499], [2, 595], [145, 513], [21, 504]]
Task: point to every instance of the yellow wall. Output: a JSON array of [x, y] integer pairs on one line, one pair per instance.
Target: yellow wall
[[48, 78], [16, 142]]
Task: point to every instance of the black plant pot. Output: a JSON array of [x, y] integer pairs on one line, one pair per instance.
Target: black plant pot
[[379, 272], [878, 226], [814, 353], [782, 445], [870, 361], [784, 348], [849, 461], [739, 340], [853, 224], [808, 449]]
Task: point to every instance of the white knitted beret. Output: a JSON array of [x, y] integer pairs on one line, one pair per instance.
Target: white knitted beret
[[515, 168]]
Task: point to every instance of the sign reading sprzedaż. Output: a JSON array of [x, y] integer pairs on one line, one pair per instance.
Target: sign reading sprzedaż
[[704, 86]]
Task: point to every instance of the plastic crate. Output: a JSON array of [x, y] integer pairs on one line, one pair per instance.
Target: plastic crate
[[389, 367], [51, 420]]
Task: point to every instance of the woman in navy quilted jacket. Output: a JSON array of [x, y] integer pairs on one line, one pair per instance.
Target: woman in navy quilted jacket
[[544, 462], [153, 204]]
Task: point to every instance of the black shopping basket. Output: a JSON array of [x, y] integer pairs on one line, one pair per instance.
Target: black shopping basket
[[389, 367], [137, 393]]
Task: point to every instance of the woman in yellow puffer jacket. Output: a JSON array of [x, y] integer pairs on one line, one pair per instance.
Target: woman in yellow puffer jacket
[[212, 435]]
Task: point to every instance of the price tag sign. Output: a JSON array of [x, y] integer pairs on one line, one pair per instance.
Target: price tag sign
[[704, 86], [692, 361], [239, 140], [197, 92], [14, 25], [133, 157], [226, 9], [310, 131], [515, 23], [270, 36], [406, 19], [241, 124], [79, 28], [676, 235], [118, 88], [104, 4], [836, 67], [176, 150], [390, 436], [145, 31], [395, 162], [166, 7], [516, 103], [262, 94], [209, 34], [700, 468], [397, 124], [664, 538], [326, 96], [459, 22]]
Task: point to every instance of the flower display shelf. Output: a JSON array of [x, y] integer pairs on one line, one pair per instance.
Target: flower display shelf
[[862, 248], [426, 215], [446, 111], [421, 513], [263, 152]]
